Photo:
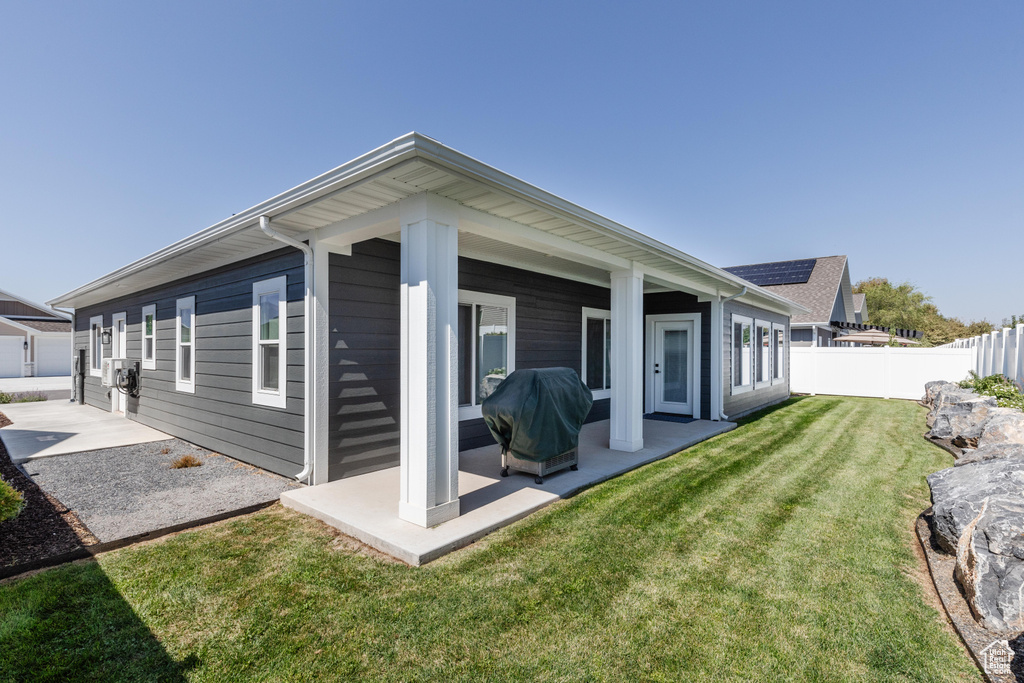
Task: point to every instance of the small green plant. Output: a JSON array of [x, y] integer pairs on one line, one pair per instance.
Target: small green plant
[[1005, 391], [5, 397], [187, 460], [11, 501]]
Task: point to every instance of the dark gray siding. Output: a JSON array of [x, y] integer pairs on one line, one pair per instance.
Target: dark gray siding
[[679, 302], [220, 414], [801, 337], [364, 339], [736, 405]]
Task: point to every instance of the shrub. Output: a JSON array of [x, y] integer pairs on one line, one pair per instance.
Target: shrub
[[184, 461], [5, 397], [11, 501], [1004, 390], [28, 397]]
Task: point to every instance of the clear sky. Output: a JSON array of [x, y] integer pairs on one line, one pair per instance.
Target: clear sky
[[739, 132]]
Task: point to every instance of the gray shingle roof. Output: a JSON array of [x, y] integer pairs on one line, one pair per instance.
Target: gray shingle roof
[[818, 293], [45, 325]]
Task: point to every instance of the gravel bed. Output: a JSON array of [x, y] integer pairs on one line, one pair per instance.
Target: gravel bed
[[120, 492]]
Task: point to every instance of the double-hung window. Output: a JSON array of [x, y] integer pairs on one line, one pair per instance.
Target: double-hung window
[[779, 349], [184, 349], [763, 352], [269, 341], [742, 354], [487, 347], [149, 337], [597, 339], [96, 346]]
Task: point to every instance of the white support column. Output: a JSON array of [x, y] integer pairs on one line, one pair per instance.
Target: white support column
[[429, 347], [627, 358], [717, 340]]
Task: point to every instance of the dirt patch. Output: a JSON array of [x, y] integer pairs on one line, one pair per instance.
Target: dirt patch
[[45, 527], [4, 420]]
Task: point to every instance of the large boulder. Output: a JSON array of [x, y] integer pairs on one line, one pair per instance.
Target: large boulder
[[946, 394], [979, 515], [992, 451], [931, 390], [964, 420], [1005, 426]]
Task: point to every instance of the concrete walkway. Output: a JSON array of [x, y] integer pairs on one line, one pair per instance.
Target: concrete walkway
[[366, 507], [59, 427]]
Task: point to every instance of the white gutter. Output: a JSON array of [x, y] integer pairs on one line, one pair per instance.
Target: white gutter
[[721, 390], [309, 378]]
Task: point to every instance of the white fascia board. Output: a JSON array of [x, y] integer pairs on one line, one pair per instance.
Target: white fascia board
[[25, 328], [43, 308]]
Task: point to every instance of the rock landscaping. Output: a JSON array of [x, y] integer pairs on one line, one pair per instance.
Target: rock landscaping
[[978, 504]]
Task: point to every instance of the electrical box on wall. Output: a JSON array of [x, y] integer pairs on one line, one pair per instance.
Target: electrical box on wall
[[111, 366]]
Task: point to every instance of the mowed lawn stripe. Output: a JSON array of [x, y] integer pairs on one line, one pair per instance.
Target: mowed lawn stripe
[[779, 551]]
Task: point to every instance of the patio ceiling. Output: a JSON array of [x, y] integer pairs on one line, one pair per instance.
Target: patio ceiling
[[563, 238]]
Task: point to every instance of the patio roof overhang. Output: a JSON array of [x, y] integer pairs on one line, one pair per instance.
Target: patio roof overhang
[[501, 218]]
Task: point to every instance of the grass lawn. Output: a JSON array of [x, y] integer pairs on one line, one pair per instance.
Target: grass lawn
[[779, 551]]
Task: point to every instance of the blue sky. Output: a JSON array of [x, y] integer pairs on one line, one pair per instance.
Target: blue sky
[[738, 132]]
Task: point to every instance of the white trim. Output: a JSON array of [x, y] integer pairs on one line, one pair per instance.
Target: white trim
[[148, 363], [117, 341], [96, 320], [472, 411], [189, 385], [779, 369], [696, 378], [264, 397], [758, 350], [733, 387], [606, 315]]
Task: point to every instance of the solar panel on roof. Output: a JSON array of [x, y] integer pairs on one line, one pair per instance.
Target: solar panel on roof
[[780, 273]]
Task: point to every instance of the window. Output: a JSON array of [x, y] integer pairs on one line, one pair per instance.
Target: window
[[597, 342], [149, 337], [487, 347], [269, 337], [763, 360], [96, 346], [742, 356], [779, 331], [184, 337]]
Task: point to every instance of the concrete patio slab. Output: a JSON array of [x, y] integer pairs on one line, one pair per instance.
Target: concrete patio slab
[[48, 428], [366, 507]]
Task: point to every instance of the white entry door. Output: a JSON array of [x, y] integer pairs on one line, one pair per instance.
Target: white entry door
[[118, 349], [674, 367]]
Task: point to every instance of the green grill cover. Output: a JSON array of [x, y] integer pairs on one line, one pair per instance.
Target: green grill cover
[[537, 414]]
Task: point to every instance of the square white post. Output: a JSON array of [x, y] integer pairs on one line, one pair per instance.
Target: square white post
[[627, 357], [429, 347]]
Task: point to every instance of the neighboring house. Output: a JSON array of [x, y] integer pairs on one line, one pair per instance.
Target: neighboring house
[[355, 322], [34, 339], [860, 308], [821, 285]]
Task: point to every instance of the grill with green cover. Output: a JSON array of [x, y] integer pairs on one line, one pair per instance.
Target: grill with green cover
[[536, 416]]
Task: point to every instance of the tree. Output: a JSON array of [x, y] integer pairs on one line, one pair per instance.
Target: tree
[[1013, 321], [903, 306]]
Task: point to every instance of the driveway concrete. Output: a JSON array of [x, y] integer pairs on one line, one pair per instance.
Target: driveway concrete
[[49, 428]]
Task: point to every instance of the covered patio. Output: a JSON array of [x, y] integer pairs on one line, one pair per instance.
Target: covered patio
[[366, 507]]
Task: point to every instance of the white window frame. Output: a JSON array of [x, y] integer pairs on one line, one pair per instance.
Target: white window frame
[[472, 411], [595, 313], [180, 384], [741, 388], [260, 396], [779, 369], [759, 354], [148, 363], [95, 327]]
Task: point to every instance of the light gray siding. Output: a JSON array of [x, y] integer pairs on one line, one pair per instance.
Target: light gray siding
[[739, 404], [220, 414]]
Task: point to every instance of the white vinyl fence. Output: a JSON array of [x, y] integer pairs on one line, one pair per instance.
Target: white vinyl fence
[[882, 372], [998, 353]]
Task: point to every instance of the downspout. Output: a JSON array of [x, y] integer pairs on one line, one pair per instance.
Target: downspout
[[721, 392], [309, 379]]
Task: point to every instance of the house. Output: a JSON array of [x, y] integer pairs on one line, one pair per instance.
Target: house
[[356, 321], [34, 339], [860, 308], [821, 285]]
